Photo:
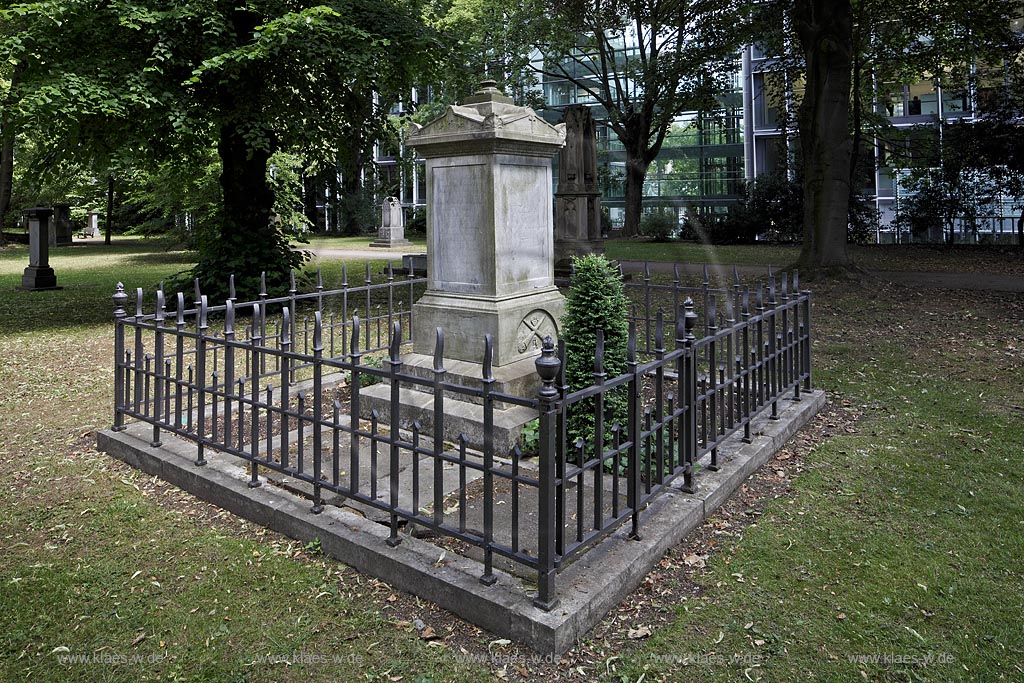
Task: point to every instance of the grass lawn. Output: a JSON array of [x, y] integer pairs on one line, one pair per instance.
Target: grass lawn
[[885, 544], [924, 258]]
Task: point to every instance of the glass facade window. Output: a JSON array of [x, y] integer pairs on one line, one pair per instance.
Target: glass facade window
[[922, 99]]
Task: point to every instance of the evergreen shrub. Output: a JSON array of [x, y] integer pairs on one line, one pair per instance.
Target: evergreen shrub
[[596, 300]]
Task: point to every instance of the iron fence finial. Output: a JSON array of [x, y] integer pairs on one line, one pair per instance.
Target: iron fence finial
[[547, 365], [120, 299]]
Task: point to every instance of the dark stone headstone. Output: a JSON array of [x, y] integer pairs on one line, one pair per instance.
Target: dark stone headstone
[[39, 275], [61, 225]]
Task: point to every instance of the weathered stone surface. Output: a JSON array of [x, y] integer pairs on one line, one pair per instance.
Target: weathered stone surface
[[391, 232], [578, 198]]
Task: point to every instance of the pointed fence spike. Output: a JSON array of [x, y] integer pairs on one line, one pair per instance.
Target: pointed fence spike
[[355, 335], [286, 325], [255, 323], [796, 280], [344, 275], [396, 340], [631, 342], [438, 349], [195, 287], [599, 352], [231, 287], [202, 312], [680, 323], [729, 312], [161, 305], [263, 283], [291, 280], [229, 317], [659, 329], [138, 302], [769, 270], [318, 331], [488, 356], [319, 279], [735, 275], [369, 277], [647, 270], [181, 308], [391, 271], [675, 272], [707, 279]]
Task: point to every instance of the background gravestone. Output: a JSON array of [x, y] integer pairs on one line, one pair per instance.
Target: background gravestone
[[39, 275], [392, 225], [578, 199], [61, 230]]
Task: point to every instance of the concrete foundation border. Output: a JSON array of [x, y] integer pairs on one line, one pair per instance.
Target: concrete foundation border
[[587, 589]]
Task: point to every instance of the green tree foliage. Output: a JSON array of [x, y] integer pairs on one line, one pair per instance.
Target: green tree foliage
[[643, 62], [596, 300], [255, 78], [850, 55]]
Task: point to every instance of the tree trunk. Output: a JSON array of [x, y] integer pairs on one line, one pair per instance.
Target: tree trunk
[[248, 198], [636, 174], [110, 209], [7, 138], [6, 172], [825, 30]]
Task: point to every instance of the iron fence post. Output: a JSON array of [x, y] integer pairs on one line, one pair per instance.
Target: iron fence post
[[488, 578], [634, 416], [199, 380], [690, 361], [807, 340], [395, 365], [120, 299], [158, 362], [547, 398], [318, 410]]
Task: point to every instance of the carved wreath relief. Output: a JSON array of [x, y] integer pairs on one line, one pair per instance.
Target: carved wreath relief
[[532, 330]]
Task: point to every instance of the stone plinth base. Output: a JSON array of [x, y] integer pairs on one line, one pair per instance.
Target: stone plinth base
[[462, 414], [566, 249], [35, 278], [391, 237], [517, 324]]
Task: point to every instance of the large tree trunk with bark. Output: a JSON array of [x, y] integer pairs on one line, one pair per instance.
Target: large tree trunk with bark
[[825, 30], [6, 172], [7, 139], [636, 174]]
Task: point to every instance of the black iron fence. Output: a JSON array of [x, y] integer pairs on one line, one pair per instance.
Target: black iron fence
[[277, 382]]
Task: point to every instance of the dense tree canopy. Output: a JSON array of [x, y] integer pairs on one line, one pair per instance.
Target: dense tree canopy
[[145, 80]]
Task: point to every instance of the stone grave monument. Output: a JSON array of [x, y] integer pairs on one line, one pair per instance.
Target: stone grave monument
[[61, 230], [489, 257], [39, 275], [92, 226], [392, 225], [578, 199]]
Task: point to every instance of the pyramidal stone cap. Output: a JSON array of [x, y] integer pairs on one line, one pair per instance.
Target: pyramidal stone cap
[[488, 122]]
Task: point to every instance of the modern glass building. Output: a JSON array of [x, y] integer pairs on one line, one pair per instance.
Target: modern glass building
[[706, 157]]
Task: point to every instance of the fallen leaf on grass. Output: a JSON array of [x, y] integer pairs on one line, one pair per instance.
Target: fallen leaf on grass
[[638, 633]]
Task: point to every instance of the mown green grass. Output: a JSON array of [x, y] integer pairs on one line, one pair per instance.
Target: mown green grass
[[901, 537]]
